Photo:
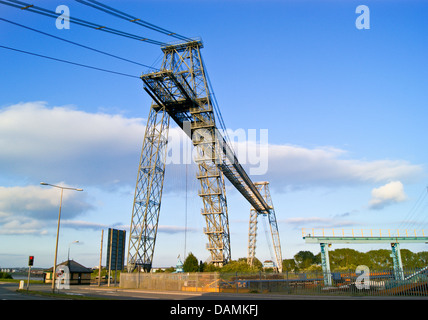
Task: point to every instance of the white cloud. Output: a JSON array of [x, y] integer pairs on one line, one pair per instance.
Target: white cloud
[[82, 149], [388, 194], [33, 209], [176, 229], [318, 222], [95, 149], [292, 167], [21, 225], [65, 144], [80, 224]]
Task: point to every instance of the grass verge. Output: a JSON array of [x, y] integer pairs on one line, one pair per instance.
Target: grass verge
[[61, 296]]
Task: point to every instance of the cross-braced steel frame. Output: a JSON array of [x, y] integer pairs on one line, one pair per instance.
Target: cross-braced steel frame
[[263, 188], [180, 90], [148, 191]]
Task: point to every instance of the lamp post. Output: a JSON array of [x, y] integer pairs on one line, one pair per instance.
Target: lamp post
[[57, 230], [68, 256]]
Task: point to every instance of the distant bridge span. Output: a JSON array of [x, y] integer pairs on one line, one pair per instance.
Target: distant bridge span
[[325, 242]]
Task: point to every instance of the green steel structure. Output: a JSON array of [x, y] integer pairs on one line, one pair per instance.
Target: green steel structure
[[326, 241], [180, 90]]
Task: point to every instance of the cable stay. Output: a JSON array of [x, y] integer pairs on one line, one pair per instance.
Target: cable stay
[[216, 107], [122, 15], [263, 218], [49, 13], [69, 62], [77, 44], [418, 211]]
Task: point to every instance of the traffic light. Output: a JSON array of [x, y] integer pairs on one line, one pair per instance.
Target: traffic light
[[30, 260]]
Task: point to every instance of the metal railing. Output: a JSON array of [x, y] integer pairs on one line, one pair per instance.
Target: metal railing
[[321, 232], [344, 283]]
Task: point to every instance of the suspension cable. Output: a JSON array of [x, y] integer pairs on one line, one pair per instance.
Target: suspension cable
[[81, 22], [69, 62], [122, 15], [77, 44]]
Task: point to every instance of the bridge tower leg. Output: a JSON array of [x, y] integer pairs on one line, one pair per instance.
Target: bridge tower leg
[[263, 188], [148, 191], [325, 263], [252, 237], [207, 156]]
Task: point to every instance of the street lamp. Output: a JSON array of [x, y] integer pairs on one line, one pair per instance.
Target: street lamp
[[57, 230], [75, 241]]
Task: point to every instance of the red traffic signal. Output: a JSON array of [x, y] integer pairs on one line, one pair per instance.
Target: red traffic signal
[[30, 260]]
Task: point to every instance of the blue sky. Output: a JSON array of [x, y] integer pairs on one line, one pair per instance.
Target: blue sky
[[345, 111]]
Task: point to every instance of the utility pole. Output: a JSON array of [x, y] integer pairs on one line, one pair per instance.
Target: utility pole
[[57, 230], [109, 263], [101, 254]]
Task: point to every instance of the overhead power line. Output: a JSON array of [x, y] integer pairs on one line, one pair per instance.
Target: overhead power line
[[75, 43], [122, 15], [69, 62], [417, 215], [49, 13]]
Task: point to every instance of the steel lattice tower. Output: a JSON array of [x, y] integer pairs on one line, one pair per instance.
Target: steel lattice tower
[[180, 91], [175, 88], [148, 191], [263, 188]]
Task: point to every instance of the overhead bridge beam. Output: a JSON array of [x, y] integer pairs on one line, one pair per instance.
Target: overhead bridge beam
[[179, 100]]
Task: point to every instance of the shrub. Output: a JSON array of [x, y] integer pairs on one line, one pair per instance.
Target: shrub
[[5, 275]]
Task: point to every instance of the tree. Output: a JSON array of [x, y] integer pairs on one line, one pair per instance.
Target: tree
[[170, 269], [422, 258], [409, 259], [288, 265], [191, 264], [5, 275], [202, 266], [378, 259], [211, 268], [240, 265], [346, 259], [256, 263], [304, 259]]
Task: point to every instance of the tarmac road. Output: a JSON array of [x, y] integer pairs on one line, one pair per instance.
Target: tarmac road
[[163, 304], [8, 292]]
